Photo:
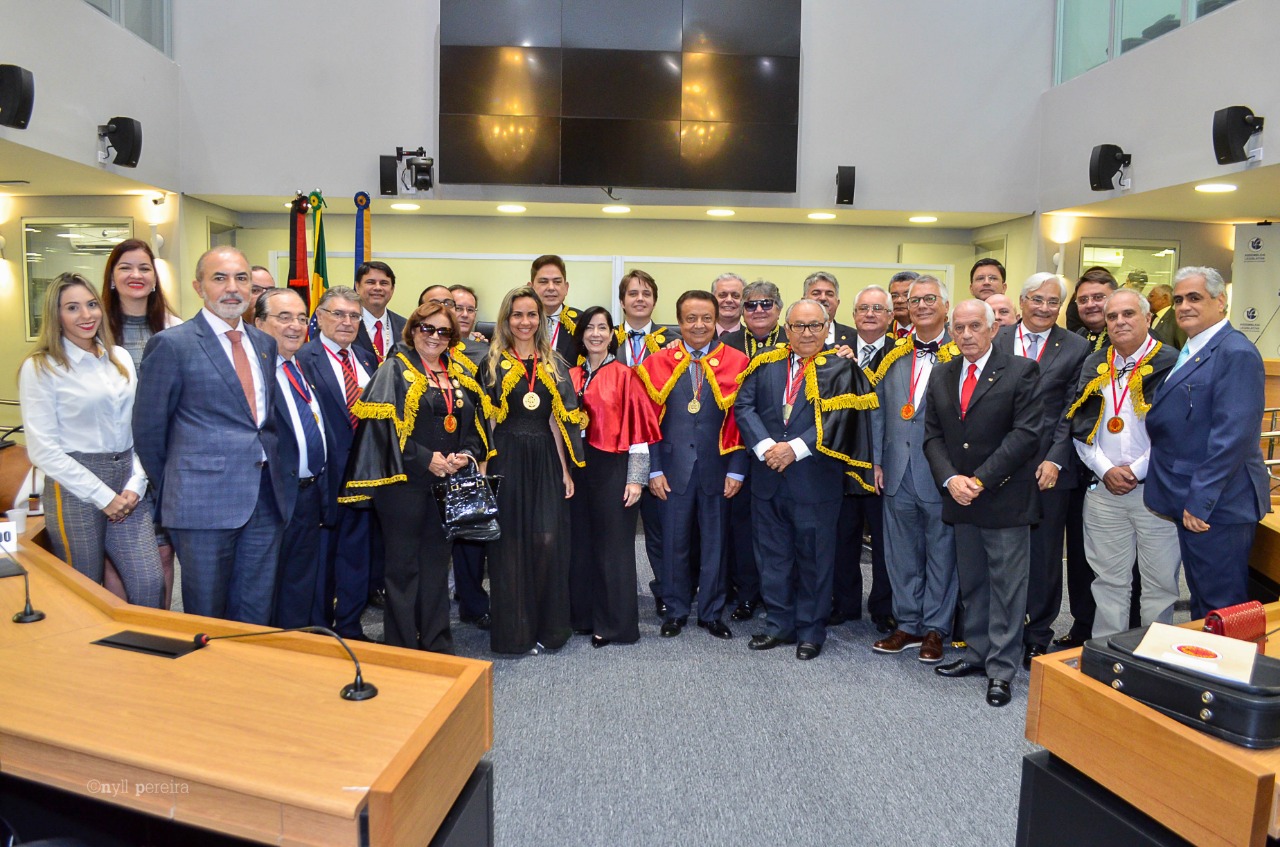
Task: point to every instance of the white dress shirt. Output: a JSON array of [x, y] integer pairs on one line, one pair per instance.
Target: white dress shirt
[[84, 408], [964, 372], [878, 343], [312, 408], [1130, 446], [647, 329], [371, 327], [221, 327], [1196, 343], [923, 368], [335, 363]]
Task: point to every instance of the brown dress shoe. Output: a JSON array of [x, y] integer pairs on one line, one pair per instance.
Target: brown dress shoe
[[896, 643], [931, 648]]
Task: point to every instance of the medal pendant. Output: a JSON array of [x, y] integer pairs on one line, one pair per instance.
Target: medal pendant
[[1115, 425], [786, 412], [695, 405], [908, 411], [450, 423], [532, 401]]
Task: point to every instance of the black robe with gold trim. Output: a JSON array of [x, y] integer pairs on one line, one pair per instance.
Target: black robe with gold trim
[[564, 399], [1085, 413]]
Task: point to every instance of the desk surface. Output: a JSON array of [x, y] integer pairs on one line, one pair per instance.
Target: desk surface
[[246, 737], [1209, 791]]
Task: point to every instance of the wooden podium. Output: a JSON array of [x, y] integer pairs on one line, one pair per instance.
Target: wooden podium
[[250, 737]]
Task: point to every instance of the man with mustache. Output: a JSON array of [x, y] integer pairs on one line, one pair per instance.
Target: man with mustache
[[204, 427]]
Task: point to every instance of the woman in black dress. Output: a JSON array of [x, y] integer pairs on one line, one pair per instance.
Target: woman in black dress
[[537, 428], [622, 423], [419, 422]]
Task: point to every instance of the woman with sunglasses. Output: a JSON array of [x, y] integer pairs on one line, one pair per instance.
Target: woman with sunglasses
[[419, 422], [537, 427], [76, 389], [622, 423]]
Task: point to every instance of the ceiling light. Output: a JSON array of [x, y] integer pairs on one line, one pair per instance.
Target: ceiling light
[[923, 219], [821, 216], [1216, 188], [511, 208], [405, 207], [615, 210], [721, 213]]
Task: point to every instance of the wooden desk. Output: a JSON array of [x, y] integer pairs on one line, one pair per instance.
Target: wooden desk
[[1208, 791], [249, 738]]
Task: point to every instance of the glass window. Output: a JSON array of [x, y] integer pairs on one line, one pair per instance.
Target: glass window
[[55, 246], [147, 19], [1084, 36], [1142, 20], [1140, 264]]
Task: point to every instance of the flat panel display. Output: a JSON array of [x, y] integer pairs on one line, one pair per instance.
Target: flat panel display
[[499, 149], [500, 81], [737, 157], [497, 23], [763, 89], [623, 24], [621, 84], [642, 154], [746, 27]]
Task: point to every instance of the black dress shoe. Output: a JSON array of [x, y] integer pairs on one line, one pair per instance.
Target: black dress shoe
[[672, 627], [745, 611], [808, 650], [716, 628], [378, 598], [998, 693], [884, 623], [1031, 652], [836, 618], [659, 608], [959, 668], [767, 642], [598, 642], [582, 630], [1067, 642], [480, 621]]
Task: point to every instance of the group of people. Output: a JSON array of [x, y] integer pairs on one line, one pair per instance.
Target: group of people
[[755, 441]]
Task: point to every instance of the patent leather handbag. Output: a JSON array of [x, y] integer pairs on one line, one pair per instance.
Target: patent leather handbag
[[468, 504]]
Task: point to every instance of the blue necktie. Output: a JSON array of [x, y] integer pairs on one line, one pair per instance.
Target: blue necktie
[[1183, 355], [310, 430]]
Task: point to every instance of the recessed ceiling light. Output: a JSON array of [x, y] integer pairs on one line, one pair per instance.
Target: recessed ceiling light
[[511, 208], [721, 213], [1215, 188], [923, 219], [615, 210], [405, 207], [821, 216]]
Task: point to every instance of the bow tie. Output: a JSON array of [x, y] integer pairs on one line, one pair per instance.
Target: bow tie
[[636, 333], [930, 349], [1125, 370]]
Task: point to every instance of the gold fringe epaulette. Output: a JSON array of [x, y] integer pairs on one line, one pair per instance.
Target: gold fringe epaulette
[[777, 354], [901, 348]]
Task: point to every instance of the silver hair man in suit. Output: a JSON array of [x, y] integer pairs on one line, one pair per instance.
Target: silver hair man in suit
[[204, 427]]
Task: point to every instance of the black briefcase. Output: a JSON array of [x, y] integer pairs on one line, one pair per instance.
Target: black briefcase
[[1248, 715]]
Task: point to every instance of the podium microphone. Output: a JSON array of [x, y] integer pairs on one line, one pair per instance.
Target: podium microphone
[[355, 690], [28, 614]]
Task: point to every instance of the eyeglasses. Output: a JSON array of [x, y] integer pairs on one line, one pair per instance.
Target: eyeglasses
[[927, 299], [868, 308], [340, 317], [898, 298], [428, 329], [291, 318], [801, 329], [753, 305], [442, 302], [259, 289], [1092, 298], [465, 310], [1040, 302]]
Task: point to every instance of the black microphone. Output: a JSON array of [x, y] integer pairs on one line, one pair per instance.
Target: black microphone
[[356, 690], [28, 614]]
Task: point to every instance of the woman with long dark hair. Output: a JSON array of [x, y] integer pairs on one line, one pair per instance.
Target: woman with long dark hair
[[132, 299]]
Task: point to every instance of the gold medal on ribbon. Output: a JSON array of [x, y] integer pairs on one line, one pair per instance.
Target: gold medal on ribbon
[[786, 412], [908, 411], [695, 405], [450, 423], [1115, 425], [532, 401]]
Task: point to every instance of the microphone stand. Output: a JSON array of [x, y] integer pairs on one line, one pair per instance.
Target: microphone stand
[[356, 690], [28, 614]]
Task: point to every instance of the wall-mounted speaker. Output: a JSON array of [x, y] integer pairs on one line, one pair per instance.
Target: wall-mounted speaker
[[17, 96], [125, 137], [1232, 128], [387, 167], [1104, 163], [844, 185]]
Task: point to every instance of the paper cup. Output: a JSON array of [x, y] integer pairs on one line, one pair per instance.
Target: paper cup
[[19, 518]]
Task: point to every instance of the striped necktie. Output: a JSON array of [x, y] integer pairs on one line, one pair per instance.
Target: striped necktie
[[350, 384]]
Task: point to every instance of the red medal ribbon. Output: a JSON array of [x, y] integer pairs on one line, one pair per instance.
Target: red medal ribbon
[[303, 389], [532, 373], [445, 388], [794, 383], [1022, 341], [1119, 400]]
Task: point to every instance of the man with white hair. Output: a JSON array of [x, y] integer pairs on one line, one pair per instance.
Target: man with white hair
[[1059, 354]]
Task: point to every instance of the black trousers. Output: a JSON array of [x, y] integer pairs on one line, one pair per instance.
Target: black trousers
[[468, 578], [417, 567], [1079, 571], [855, 511], [602, 567], [739, 550], [1044, 587], [300, 563]]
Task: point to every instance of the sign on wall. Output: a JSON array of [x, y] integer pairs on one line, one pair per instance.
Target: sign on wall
[[1255, 287]]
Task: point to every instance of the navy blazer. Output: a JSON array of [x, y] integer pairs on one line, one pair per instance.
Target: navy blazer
[[194, 432], [817, 478], [315, 363], [290, 453], [690, 447], [365, 343], [1204, 428]]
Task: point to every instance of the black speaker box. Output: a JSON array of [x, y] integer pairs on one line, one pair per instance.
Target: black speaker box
[[17, 96], [844, 185], [387, 176], [1232, 127], [1104, 163], [125, 137]]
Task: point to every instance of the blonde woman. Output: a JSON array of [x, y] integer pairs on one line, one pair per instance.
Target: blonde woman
[[537, 430], [76, 389]]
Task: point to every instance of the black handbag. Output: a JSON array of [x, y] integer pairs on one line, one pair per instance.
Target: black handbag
[[468, 504]]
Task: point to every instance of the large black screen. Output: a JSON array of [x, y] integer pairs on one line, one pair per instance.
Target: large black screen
[[697, 94]]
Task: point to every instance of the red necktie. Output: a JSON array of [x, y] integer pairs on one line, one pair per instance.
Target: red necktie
[[377, 340], [350, 384], [243, 372], [900, 332], [966, 389]]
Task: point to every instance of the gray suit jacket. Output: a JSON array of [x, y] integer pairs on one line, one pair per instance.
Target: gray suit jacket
[[1166, 329], [895, 442], [194, 431]]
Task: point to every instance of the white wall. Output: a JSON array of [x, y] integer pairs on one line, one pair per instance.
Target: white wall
[[934, 101], [87, 70], [1157, 103]]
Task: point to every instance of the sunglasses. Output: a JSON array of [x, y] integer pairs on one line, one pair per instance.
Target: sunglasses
[[753, 305], [428, 329]]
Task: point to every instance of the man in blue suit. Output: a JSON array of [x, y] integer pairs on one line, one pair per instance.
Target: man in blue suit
[[204, 428], [340, 369], [1206, 472], [804, 454]]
